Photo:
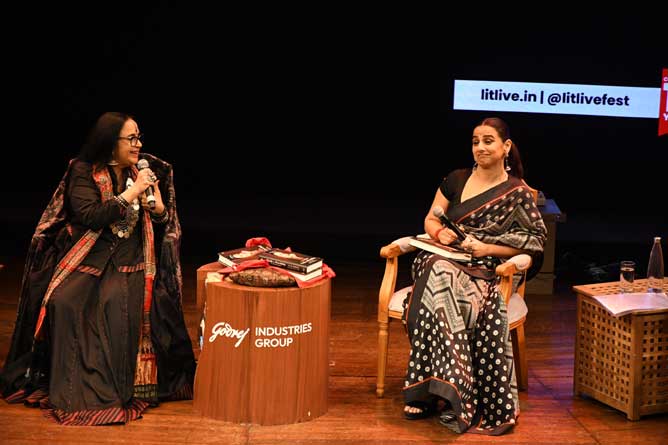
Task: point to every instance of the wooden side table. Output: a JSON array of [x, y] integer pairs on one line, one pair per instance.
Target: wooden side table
[[265, 355], [621, 361], [200, 293]]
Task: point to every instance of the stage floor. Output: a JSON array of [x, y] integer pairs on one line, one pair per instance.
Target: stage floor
[[550, 412]]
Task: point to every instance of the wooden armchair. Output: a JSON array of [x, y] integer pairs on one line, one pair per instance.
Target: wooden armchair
[[390, 306]]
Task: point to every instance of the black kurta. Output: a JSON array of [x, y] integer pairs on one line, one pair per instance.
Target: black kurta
[[94, 317]]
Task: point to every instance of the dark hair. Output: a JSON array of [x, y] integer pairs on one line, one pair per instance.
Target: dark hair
[[102, 138], [502, 129]]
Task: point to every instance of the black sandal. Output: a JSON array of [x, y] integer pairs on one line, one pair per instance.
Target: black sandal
[[449, 420], [428, 410], [447, 417]]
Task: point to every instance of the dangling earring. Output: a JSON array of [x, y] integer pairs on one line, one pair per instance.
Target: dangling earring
[[475, 165], [506, 164], [113, 161]]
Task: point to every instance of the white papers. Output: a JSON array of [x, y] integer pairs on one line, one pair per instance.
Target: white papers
[[622, 304], [213, 277]]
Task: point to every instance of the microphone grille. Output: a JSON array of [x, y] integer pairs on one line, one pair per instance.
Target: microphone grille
[[143, 163], [437, 211]]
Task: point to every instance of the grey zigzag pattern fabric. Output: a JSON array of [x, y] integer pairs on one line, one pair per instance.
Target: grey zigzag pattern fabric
[[513, 219]]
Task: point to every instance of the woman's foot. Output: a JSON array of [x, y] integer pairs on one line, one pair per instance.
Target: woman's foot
[[419, 410], [412, 409]]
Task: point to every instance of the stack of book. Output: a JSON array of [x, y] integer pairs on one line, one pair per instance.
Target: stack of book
[[301, 266]]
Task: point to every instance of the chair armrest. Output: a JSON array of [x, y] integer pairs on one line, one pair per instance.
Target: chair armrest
[[396, 248], [391, 253], [518, 263]]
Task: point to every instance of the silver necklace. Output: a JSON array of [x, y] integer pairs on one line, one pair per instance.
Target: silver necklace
[[125, 227]]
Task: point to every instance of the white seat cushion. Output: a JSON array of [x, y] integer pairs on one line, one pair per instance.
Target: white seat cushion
[[397, 300], [517, 308]]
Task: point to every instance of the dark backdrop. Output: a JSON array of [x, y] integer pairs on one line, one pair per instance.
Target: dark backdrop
[[331, 135]]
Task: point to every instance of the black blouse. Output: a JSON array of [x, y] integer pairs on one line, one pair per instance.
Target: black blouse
[[453, 185], [87, 211]]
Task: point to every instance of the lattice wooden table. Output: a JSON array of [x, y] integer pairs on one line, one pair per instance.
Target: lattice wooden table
[[621, 361]]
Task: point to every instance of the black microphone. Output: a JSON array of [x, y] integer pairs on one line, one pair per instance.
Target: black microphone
[[438, 212], [150, 199]]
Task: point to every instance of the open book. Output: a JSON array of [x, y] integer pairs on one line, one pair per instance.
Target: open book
[[424, 242], [622, 304]]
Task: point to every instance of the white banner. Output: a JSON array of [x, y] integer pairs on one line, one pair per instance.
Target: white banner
[[557, 98]]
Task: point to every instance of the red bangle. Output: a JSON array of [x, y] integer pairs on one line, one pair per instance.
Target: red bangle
[[437, 232]]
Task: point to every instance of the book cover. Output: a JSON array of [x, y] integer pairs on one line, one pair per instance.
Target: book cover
[[305, 277], [428, 244], [237, 256], [292, 261], [622, 304]]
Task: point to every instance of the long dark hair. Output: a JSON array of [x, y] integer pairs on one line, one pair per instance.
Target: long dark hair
[[514, 160], [102, 138]]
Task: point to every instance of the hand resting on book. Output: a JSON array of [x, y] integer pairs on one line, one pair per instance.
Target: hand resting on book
[[477, 248], [471, 245]]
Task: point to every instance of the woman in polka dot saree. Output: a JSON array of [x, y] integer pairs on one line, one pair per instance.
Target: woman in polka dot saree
[[456, 318]]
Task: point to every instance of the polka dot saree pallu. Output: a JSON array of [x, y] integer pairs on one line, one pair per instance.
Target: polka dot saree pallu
[[457, 322]]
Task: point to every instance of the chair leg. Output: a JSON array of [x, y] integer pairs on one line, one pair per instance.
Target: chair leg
[[520, 356], [383, 336]]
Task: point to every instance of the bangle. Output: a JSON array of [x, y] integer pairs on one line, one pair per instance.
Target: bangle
[[121, 201], [160, 218], [437, 233]]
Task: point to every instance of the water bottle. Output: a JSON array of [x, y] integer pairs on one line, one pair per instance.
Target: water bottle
[[655, 267]]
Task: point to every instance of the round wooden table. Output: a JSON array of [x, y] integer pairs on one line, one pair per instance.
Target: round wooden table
[[265, 356]]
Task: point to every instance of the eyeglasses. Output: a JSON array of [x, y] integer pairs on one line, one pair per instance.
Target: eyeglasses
[[134, 140]]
